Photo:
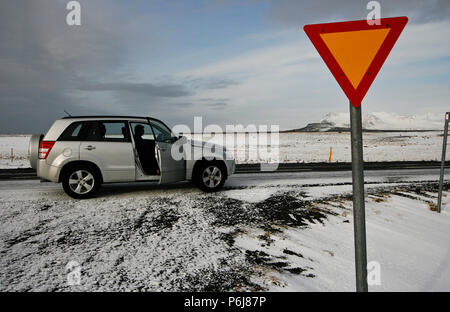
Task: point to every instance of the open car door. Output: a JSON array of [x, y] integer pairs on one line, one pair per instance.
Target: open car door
[[172, 168]]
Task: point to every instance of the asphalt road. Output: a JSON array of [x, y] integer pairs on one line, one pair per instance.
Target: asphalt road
[[310, 178], [28, 173]]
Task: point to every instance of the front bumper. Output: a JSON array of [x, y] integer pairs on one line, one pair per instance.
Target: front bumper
[[233, 167]]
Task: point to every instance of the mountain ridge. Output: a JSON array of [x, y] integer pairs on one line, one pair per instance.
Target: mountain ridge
[[375, 122]]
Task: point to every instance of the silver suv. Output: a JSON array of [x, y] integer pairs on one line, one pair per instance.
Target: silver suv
[[84, 152]]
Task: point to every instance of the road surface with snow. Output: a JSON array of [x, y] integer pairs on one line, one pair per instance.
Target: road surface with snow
[[275, 231]]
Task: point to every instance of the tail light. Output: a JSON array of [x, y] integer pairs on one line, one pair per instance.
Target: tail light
[[44, 148]]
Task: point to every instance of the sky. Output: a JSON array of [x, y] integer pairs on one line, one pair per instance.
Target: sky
[[230, 62]]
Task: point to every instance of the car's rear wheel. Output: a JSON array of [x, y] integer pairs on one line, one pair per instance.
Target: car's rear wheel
[[81, 182], [210, 176]]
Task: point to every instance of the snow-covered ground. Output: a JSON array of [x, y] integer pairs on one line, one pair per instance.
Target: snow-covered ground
[[292, 147], [306, 147], [277, 232]]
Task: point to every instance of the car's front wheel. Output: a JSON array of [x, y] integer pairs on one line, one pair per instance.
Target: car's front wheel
[[211, 176], [81, 182]]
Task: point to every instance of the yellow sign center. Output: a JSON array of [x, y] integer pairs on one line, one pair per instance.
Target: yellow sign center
[[355, 50]]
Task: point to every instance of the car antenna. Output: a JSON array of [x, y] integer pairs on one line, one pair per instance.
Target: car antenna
[[67, 113]]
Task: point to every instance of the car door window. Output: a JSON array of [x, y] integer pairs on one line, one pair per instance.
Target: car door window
[[108, 131], [162, 132], [144, 141], [147, 133]]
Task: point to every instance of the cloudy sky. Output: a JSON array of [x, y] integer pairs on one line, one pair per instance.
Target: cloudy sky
[[231, 62]]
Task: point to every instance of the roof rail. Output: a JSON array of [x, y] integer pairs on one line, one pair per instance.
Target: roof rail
[[105, 116]]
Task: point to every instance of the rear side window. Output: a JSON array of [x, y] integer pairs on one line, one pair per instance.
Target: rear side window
[[108, 131], [76, 131]]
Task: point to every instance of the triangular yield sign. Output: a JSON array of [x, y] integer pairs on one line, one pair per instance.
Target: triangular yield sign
[[355, 51]]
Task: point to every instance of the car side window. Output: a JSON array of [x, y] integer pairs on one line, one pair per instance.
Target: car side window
[[147, 133], [76, 131], [162, 132], [108, 131]]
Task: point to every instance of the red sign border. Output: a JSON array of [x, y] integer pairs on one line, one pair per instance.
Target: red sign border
[[396, 24]]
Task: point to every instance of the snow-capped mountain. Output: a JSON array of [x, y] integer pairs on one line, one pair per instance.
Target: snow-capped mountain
[[388, 121], [378, 121]]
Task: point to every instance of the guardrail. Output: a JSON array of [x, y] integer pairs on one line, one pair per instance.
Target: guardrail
[[298, 167]]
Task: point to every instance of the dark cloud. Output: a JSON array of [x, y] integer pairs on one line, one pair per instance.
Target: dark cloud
[[47, 66], [300, 12], [41, 57], [217, 106], [213, 100], [220, 84], [209, 83], [214, 103], [148, 89]]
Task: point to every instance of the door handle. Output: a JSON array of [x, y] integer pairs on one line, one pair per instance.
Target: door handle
[[89, 147]]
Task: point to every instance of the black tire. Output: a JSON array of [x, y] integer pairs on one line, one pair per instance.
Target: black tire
[[81, 181], [210, 176]]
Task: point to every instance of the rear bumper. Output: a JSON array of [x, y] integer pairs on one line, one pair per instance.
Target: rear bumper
[[47, 172]]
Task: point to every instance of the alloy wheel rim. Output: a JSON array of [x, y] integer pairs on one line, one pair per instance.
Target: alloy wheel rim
[[81, 182], [212, 176]]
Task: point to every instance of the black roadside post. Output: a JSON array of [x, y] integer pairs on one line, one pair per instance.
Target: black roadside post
[[359, 218], [444, 151]]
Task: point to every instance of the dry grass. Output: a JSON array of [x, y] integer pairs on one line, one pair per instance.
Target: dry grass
[[432, 206]]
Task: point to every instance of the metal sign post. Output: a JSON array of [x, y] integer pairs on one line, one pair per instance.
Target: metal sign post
[[444, 151], [359, 218]]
